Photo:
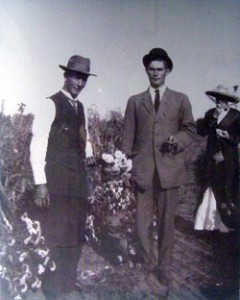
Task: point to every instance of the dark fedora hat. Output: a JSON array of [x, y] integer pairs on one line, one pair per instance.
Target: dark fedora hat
[[157, 54], [224, 94], [79, 64]]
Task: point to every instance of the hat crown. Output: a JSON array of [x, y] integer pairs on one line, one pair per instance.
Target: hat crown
[[224, 93], [157, 54], [158, 51], [78, 64]]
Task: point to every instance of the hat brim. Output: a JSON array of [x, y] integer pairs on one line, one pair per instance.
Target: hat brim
[[222, 96], [73, 70], [148, 58]]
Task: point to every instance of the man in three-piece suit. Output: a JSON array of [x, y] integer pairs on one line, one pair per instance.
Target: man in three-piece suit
[[58, 162], [158, 126]]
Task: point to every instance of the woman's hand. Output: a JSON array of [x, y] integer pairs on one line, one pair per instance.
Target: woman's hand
[[218, 157], [223, 134]]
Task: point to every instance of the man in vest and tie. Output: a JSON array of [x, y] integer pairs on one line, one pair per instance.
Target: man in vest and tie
[[158, 126], [58, 163]]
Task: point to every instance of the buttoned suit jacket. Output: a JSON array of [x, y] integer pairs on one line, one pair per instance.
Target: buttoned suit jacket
[[145, 131]]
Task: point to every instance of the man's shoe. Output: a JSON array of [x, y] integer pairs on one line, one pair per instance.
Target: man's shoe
[[163, 277], [157, 287], [149, 267]]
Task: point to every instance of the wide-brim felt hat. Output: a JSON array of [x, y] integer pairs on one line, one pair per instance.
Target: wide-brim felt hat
[[157, 54], [79, 64], [224, 94]]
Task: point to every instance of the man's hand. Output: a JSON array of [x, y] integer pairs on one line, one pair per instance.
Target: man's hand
[[170, 146], [218, 157], [91, 161], [41, 196]]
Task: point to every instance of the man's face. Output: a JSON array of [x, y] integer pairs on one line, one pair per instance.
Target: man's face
[[74, 83], [157, 72]]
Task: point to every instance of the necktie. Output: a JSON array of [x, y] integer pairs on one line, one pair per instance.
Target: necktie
[[74, 104], [157, 100]]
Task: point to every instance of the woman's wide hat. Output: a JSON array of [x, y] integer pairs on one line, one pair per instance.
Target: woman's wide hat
[[79, 64], [224, 94], [157, 54]]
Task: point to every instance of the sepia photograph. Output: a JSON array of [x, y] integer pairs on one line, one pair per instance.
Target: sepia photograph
[[119, 149]]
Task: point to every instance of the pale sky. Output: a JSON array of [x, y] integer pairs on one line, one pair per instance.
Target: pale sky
[[201, 37]]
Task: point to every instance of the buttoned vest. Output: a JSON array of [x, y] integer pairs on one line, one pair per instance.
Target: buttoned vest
[[67, 137]]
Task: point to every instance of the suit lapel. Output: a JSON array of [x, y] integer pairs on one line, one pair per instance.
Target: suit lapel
[[165, 104], [147, 103], [227, 119]]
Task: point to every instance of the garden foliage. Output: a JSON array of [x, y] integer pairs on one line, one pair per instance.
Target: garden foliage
[[24, 257], [23, 254]]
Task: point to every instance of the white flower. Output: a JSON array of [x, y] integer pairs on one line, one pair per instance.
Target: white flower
[[27, 240], [120, 258], [46, 260], [53, 266], [108, 158], [119, 155], [42, 252], [11, 242], [129, 165], [24, 288], [22, 256], [132, 251], [36, 284], [41, 269], [23, 284], [32, 227]]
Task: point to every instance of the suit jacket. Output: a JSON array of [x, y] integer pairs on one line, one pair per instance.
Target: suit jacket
[[145, 131], [228, 147]]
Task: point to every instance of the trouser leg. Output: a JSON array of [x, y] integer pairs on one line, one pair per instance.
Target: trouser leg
[[145, 212], [63, 279], [167, 201]]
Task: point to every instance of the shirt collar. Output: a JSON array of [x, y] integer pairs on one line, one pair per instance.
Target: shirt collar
[[222, 115], [161, 89], [66, 93]]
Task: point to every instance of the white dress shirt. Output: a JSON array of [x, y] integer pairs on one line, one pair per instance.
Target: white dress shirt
[[43, 119], [161, 89], [222, 115]]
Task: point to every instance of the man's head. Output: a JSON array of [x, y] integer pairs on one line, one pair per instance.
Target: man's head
[[76, 74], [158, 65], [157, 71], [74, 82]]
